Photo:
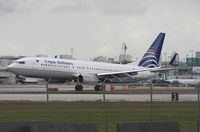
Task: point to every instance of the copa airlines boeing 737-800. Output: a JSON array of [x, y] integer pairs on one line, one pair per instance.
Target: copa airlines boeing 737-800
[[91, 72]]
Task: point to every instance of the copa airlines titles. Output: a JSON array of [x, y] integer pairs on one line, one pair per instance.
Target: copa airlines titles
[[58, 62]]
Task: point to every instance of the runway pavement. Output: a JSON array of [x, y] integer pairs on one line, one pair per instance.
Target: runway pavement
[[94, 97], [66, 93], [34, 88]]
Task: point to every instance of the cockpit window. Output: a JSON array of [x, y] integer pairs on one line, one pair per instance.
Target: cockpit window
[[20, 62]]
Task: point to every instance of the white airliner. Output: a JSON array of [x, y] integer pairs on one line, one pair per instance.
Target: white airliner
[[185, 82], [91, 72]]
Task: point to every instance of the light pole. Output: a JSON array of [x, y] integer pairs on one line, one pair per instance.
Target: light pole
[[186, 62], [165, 58], [186, 58], [192, 63], [105, 106], [198, 115], [165, 64], [151, 99], [47, 95]]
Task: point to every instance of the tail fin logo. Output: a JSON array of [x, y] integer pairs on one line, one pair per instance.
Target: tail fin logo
[[152, 56]]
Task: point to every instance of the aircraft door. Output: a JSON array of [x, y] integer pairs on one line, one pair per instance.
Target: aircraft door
[[35, 64]]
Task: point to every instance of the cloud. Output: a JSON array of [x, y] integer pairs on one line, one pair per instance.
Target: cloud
[[97, 27], [121, 7], [19, 6], [72, 6], [113, 7], [43, 6]]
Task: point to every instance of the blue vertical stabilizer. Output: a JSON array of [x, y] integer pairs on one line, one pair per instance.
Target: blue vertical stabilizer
[[152, 56], [173, 59]]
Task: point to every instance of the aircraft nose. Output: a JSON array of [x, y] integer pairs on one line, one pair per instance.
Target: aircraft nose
[[10, 67]]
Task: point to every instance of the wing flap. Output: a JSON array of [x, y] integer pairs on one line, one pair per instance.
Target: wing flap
[[118, 73], [132, 72]]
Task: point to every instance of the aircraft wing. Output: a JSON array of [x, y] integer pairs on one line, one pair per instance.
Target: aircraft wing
[[127, 75]]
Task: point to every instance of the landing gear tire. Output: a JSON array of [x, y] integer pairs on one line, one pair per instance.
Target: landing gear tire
[[98, 88], [79, 88]]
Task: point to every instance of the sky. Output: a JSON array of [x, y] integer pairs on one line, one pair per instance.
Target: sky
[[97, 27]]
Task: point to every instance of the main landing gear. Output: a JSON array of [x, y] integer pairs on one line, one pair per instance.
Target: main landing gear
[[98, 87], [79, 87]]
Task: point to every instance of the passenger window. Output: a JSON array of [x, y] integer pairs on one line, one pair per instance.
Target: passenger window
[[37, 60]]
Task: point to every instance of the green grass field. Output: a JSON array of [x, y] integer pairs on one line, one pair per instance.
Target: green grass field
[[185, 113]]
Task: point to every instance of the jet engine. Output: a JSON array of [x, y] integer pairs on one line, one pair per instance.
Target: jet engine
[[85, 78]]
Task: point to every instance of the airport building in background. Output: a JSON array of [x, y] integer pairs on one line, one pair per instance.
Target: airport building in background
[[65, 57], [104, 59], [41, 55], [125, 58], [7, 77], [100, 59], [194, 63], [198, 54]]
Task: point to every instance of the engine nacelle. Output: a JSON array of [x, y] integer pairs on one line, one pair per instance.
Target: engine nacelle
[[85, 78]]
